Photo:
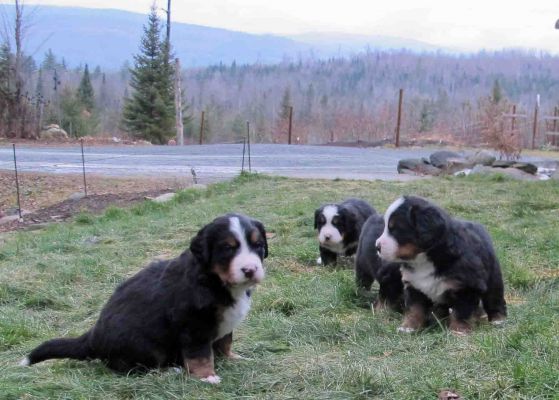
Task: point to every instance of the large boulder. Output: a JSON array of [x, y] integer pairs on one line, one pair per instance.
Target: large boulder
[[440, 159], [511, 172], [53, 132], [418, 166], [482, 157], [526, 167], [503, 164]]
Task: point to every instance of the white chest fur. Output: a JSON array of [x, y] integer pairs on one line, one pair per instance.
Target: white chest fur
[[235, 314], [421, 276]]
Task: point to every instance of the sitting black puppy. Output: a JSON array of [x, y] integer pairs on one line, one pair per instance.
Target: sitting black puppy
[[370, 267], [450, 264], [339, 227], [176, 312]]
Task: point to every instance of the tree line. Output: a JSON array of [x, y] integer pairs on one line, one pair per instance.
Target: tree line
[[337, 99]]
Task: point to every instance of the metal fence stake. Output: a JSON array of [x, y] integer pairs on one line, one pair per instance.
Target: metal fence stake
[[17, 183]]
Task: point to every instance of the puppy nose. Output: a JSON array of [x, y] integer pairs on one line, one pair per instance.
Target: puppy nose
[[327, 237], [249, 271], [378, 247]]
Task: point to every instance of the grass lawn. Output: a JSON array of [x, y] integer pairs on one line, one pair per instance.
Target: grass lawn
[[308, 335]]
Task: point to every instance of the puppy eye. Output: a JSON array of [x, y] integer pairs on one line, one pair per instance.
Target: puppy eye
[[228, 247], [335, 220]]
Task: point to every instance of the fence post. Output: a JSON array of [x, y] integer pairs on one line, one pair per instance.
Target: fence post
[[535, 126], [248, 143], [290, 125], [83, 168], [17, 183], [202, 128], [243, 164], [398, 122]]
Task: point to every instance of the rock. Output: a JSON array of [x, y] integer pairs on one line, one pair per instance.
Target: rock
[[511, 172], [417, 166], [76, 196], [555, 175], [457, 164], [526, 167], [53, 132], [482, 157], [9, 218], [502, 163], [164, 198], [439, 159]]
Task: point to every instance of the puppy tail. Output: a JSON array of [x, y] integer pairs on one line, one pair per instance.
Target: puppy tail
[[75, 348]]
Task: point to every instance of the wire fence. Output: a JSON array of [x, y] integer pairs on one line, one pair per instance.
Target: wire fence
[[84, 161]]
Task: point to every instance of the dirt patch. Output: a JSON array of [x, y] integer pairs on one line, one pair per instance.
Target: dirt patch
[[46, 197]]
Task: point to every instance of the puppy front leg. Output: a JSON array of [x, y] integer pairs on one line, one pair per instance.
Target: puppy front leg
[[223, 347], [327, 256], [464, 307], [416, 308], [199, 361]]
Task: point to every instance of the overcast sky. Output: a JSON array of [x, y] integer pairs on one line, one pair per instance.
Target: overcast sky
[[463, 25]]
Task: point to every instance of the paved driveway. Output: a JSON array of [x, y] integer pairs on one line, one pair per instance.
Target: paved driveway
[[216, 162]]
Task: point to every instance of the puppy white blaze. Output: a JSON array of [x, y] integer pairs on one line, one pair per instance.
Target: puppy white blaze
[[245, 259], [329, 236], [389, 245], [234, 315]]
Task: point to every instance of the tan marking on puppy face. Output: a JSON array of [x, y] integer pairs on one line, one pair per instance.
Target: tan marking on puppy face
[[255, 236], [224, 273], [231, 241], [202, 367], [414, 317], [407, 251]]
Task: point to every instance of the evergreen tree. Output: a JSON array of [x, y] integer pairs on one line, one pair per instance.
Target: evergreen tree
[[150, 112], [85, 93], [496, 93], [49, 63], [285, 104]]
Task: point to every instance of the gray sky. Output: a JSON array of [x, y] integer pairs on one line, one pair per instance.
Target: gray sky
[[462, 25]]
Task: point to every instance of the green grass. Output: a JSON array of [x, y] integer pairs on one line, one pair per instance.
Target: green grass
[[308, 335]]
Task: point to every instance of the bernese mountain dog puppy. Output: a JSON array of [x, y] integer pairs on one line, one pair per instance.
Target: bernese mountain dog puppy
[[177, 312], [370, 267], [449, 263], [339, 227]]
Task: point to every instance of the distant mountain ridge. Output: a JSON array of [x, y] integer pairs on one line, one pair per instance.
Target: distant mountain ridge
[[108, 38]]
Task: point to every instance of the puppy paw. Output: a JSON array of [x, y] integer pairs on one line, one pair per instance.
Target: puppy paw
[[406, 329], [235, 356], [213, 379], [498, 322], [319, 261]]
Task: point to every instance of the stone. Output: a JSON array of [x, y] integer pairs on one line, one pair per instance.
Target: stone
[[439, 159], [502, 163], [76, 196], [555, 175], [511, 172], [457, 164], [417, 166], [53, 131], [482, 157], [164, 198], [526, 167]]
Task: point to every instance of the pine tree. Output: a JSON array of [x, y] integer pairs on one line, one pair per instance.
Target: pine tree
[[150, 112], [496, 93], [85, 93], [49, 63]]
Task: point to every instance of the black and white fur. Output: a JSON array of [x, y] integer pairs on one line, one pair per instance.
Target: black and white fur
[[450, 263], [339, 227], [176, 312], [370, 267]]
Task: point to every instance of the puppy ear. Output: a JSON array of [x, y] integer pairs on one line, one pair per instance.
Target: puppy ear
[[316, 216], [199, 247], [262, 230], [429, 223], [350, 220]]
